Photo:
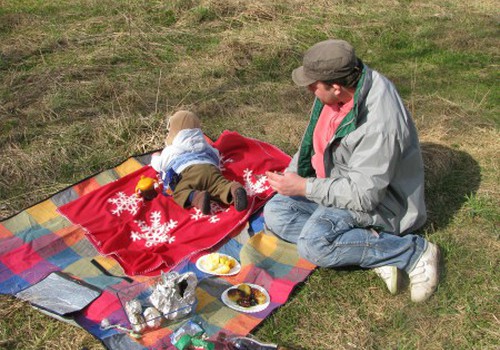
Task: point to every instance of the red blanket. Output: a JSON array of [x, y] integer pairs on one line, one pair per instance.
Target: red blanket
[[148, 236]]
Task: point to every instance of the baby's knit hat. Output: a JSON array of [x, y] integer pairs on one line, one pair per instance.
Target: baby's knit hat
[[179, 121]]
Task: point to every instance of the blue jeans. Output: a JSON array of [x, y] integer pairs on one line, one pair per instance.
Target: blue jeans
[[328, 236]]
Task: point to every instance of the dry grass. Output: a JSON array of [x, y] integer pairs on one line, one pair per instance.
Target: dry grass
[[86, 84]]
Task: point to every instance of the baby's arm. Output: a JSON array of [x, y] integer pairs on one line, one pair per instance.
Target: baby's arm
[[156, 161]]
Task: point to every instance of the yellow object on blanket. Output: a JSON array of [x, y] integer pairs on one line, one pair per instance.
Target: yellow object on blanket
[[219, 264]]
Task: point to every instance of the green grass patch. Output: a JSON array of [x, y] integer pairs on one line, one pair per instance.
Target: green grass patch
[[85, 84]]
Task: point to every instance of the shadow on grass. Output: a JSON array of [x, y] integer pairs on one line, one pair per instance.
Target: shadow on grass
[[450, 176]]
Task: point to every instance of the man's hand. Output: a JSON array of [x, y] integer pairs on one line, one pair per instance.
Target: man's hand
[[287, 184]]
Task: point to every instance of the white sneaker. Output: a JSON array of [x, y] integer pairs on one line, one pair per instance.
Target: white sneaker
[[391, 276], [424, 277]]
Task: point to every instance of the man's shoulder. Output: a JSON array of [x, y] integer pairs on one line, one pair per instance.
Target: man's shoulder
[[379, 82], [383, 109]]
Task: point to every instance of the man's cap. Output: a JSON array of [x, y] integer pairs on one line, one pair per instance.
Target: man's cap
[[327, 60], [179, 121]]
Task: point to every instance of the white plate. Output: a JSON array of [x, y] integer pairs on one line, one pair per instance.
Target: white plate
[[251, 309], [236, 268]]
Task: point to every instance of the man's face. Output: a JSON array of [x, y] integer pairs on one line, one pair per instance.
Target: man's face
[[324, 92]]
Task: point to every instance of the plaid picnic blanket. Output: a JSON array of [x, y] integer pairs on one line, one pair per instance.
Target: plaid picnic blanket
[[39, 240]]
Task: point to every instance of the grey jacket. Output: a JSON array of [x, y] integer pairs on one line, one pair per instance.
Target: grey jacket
[[376, 170]]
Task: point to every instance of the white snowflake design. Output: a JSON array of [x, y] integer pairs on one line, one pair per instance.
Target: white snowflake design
[[223, 160], [125, 203], [253, 188], [215, 208], [156, 233]]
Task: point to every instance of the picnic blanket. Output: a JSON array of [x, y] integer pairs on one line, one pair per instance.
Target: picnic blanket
[[145, 236], [39, 240]]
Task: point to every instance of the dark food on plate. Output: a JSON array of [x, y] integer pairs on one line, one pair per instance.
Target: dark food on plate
[[246, 296]]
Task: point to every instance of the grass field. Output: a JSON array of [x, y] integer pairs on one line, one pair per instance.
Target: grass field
[[85, 84]]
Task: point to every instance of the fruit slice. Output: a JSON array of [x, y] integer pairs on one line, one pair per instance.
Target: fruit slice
[[235, 294], [259, 297], [245, 288], [230, 263], [222, 270], [211, 261]]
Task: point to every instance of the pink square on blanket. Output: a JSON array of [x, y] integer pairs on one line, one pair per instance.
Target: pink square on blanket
[[21, 259]]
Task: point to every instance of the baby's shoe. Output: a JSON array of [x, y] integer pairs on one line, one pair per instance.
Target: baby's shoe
[[239, 196]]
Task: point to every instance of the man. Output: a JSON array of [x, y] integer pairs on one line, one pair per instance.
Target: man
[[354, 191]]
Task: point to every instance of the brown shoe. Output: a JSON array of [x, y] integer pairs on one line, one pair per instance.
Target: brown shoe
[[201, 200], [239, 196]]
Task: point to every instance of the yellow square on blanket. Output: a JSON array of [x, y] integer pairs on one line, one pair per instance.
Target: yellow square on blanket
[[204, 298], [43, 212], [128, 167]]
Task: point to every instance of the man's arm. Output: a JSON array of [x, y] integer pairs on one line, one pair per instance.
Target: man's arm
[[363, 184]]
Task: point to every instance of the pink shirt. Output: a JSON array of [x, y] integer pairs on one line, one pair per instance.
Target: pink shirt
[[328, 122]]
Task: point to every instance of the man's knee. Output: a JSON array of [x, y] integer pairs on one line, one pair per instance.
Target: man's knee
[[268, 209], [318, 251], [272, 214]]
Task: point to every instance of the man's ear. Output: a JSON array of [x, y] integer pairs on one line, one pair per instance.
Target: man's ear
[[337, 89]]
